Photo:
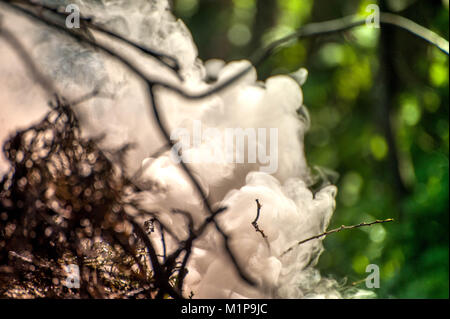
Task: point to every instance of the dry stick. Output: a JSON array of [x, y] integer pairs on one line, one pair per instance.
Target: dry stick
[[145, 213], [308, 30], [42, 79], [337, 230], [88, 22]]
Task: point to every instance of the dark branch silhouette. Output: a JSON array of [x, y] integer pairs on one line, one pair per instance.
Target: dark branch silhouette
[[336, 230]]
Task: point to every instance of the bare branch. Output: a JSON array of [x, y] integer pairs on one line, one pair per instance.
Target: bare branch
[[309, 30], [162, 271], [255, 223], [415, 29]]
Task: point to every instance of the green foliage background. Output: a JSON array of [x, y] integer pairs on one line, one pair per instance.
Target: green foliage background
[[379, 119]]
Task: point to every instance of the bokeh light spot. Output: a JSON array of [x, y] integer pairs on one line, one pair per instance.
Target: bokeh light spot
[[239, 34]]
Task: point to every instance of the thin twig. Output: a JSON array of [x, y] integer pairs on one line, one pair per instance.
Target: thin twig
[[255, 222], [314, 29], [337, 230], [355, 283], [309, 30]]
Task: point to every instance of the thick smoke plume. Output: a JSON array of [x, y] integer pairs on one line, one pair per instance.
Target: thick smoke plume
[[289, 210]]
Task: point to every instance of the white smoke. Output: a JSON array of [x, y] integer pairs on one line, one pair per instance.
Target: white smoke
[[290, 211]]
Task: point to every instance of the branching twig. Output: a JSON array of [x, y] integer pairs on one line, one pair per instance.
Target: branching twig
[[255, 222], [337, 230]]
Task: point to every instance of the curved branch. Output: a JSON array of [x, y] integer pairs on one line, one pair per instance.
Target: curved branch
[[415, 29], [309, 30]]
